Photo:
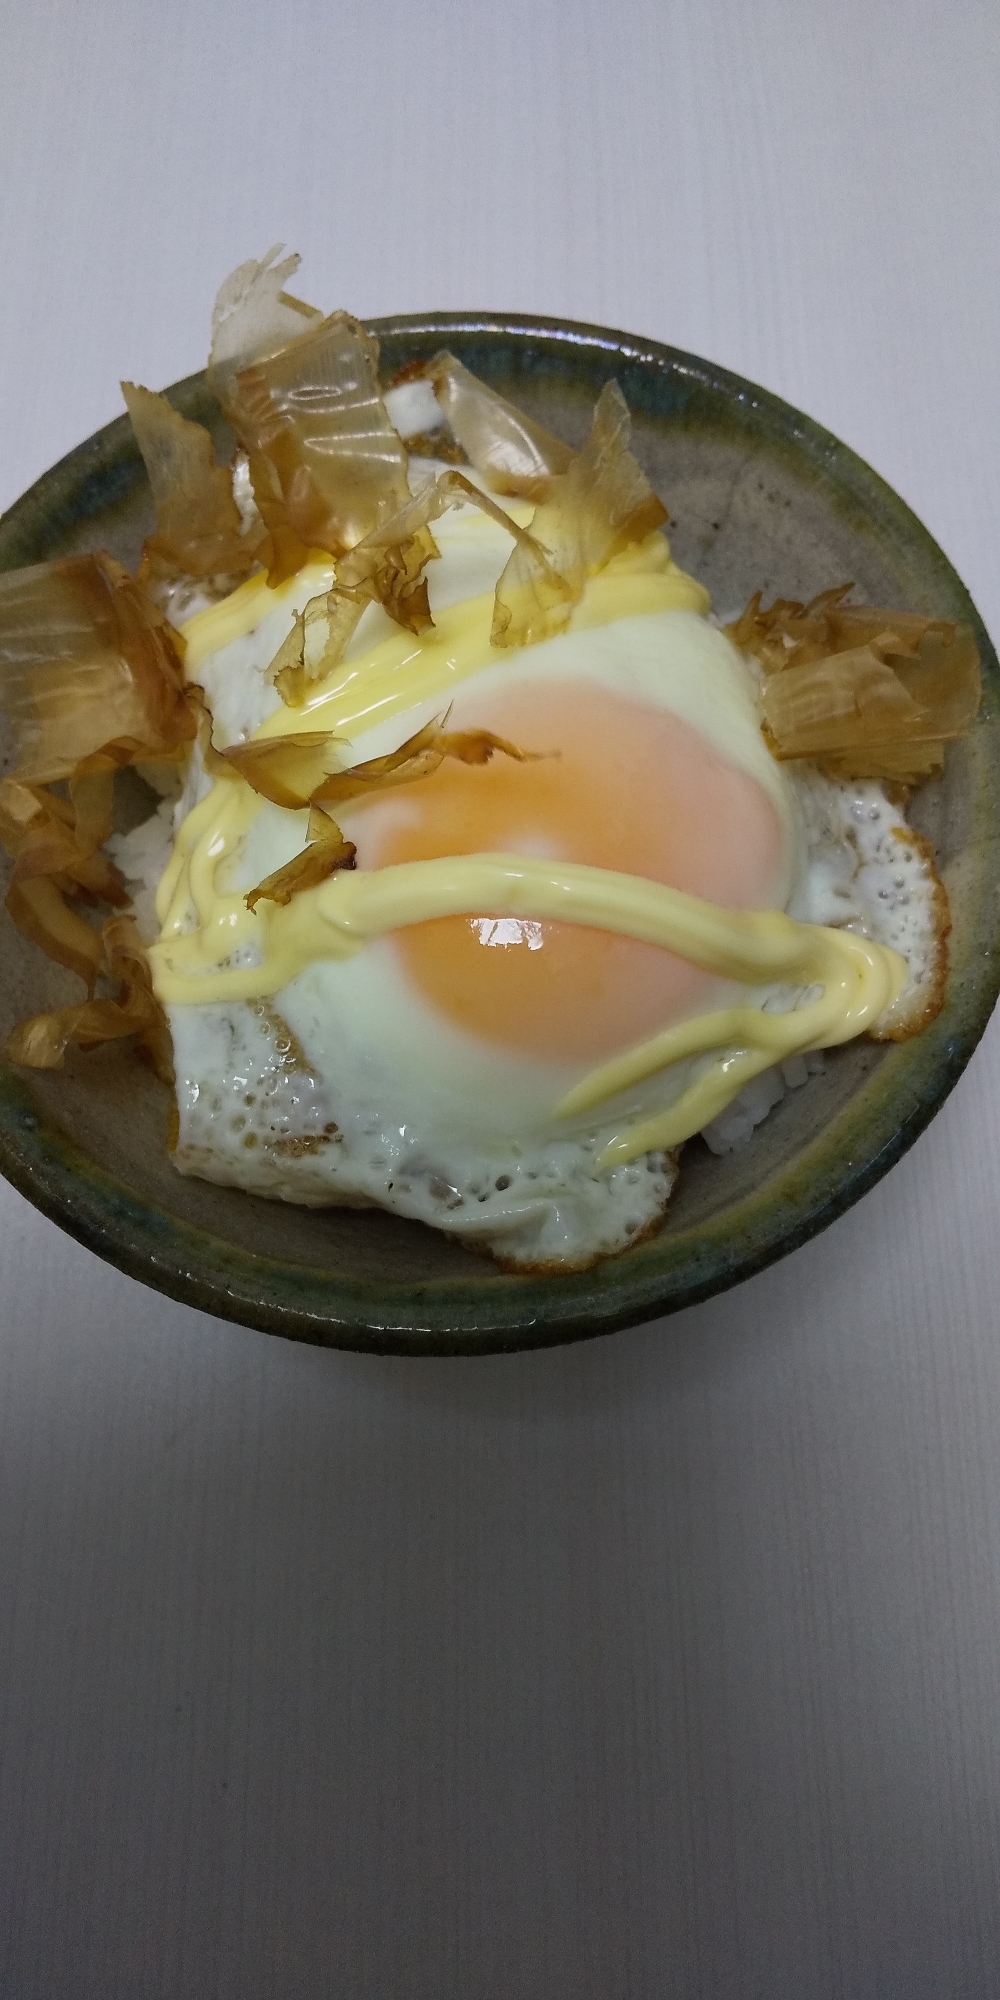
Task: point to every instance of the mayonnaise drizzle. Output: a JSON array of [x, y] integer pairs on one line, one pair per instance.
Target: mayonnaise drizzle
[[204, 929]]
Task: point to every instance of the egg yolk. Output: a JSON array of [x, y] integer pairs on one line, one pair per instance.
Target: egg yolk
[[632, 789]]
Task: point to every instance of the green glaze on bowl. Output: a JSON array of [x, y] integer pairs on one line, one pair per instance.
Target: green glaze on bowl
[[759, 497]]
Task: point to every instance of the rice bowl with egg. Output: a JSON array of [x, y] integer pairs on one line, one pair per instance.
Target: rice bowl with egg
[[845, 879]]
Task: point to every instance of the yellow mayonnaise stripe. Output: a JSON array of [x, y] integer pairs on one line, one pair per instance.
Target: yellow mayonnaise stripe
[[859, 984], [860, 979], [210, 831], [693, 1110], [246, 608], [733, 944], [344, 913], [402, 671], [173, 883]]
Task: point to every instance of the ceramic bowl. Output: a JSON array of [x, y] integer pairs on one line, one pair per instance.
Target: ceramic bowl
[[759, 496]]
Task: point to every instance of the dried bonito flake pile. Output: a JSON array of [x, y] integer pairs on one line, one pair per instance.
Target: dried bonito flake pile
[[861, 692], [92, 674]]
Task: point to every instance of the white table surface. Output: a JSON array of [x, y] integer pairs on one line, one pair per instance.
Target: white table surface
[[666, 1664]]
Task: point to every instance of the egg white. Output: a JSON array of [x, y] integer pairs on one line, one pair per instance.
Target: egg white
[[349, 1086]]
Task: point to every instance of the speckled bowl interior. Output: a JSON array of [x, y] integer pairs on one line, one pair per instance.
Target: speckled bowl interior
[[759, 497]]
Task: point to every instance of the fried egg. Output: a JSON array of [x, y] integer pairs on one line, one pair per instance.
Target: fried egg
[[424, 1073]]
